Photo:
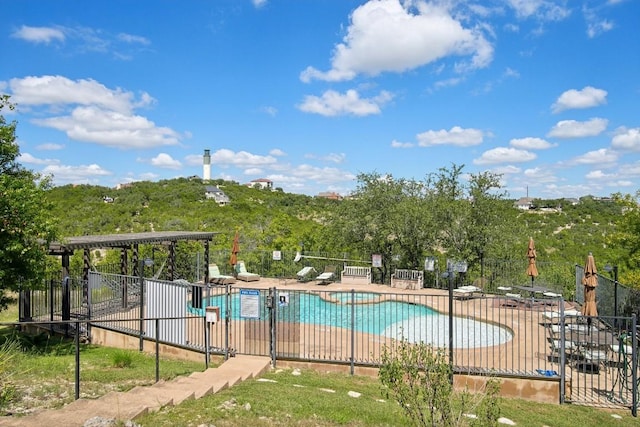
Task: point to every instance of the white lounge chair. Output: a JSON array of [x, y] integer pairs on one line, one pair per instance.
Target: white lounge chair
[[305, 274], [466, 292], [244, 275], [555, 315], [217, 278], [328, 276]]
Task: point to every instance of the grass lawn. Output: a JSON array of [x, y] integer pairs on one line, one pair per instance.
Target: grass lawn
[[39, 371], [280, 398]]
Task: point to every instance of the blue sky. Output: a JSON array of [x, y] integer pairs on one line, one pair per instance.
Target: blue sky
[[310, 93]]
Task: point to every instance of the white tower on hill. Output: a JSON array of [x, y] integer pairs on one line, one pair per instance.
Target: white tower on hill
[[206, 166]]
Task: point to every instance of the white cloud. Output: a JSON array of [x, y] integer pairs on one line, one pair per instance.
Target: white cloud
[[277, 152], [259, 3], [50, 147], [333, 103], [165, 161], [539, 175], [59, 91], [29, 159], [586, 98], [630, 170], [394, 36], [596, 23], [576, 129], [398, 144], [91, 112], [269, 110], [323, 175], [111, 129], [626, 139], [531, 143], [595, 28], [39, 34], [130, 38], [597, 175], [455, 136], [506, 170], [241, 159], [83, 174], [539, 9], [504, 155], [601, 156]]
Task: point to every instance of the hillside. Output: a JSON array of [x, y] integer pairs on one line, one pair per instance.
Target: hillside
[[266, 219], [271, 220]]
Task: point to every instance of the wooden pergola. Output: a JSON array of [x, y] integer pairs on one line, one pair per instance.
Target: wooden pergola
[[126, 243]]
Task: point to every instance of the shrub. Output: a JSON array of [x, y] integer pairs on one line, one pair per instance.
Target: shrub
[[9, 352], [419, 378], [122, 359]]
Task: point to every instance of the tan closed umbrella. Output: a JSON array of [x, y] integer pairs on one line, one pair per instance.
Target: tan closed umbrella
[[234, 251], [590, 281], [532, 270]]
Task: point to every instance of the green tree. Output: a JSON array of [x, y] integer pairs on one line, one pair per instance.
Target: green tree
[[26, 222], [383, 217], [627, 237]]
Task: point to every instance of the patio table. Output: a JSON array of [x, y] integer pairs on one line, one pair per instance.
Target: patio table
[[532, 289]]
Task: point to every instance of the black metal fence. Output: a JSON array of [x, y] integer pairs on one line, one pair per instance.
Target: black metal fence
[[487, 332]]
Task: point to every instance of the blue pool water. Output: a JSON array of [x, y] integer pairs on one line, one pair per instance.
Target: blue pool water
[[414, 322], [357, 297]]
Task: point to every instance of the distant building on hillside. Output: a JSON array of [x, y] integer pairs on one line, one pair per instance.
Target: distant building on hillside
[[261, 183], [329, 195], [524, 203], [214, 193]]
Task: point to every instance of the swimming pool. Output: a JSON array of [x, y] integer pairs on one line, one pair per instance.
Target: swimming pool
[[394, 319]]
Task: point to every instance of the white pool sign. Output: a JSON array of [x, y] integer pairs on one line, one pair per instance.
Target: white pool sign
[[249, 303]]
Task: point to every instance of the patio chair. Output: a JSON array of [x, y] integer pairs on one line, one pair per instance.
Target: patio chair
[[305, 274], [466, 292], [328, 276], [244, 275], [217, 278]]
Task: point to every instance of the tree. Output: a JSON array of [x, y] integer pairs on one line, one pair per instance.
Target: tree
[[26, 222], [384, 216]]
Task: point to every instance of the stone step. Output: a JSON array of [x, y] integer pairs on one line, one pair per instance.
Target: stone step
[[139, 400]]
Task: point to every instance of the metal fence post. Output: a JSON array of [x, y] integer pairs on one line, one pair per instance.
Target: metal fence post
[[207, 341], [227, 315], [157, 349], [634, 366], [141, 280], [450, 278], [562, 365], [77, 349], [353, 330], [273, 321]]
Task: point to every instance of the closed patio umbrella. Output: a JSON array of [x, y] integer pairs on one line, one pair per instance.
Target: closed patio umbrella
[[590, 281], [234, 250], [532, 270]]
